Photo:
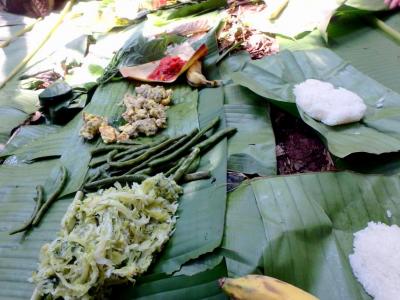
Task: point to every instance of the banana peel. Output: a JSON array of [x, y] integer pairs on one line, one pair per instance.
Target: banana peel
[[259, 287], [196, 78]]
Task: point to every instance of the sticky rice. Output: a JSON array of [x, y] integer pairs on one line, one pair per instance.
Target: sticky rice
[[332, 106], [376, 260]]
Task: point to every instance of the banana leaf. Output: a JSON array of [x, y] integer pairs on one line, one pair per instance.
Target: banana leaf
[[274, 77], [368, 49], [202, 285], [19, 253], [300, 228], [194, 235], [10, 118], [252, 149], [372, 5], [202, 201], [27, 134]]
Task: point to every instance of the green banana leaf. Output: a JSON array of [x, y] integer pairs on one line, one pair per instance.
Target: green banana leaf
[[274, 78], [373, 5], [202, 285], [300, 228], [252, 149], [19, 253], [27, 134], [202, 201], [368, 49], [194, 235], [10, 118]]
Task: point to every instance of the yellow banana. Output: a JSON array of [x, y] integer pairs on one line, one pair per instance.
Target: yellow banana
[[258, 287], [196, 78]]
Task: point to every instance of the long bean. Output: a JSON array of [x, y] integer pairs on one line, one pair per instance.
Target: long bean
[[215, 138], [181, 151], [129, 154], [144, 156], [103, 149], [175, 167], [129, 142], [186, 164], [132, 150], [111, 155], [160, 154], [196, 176], [39, 202], [63, 179], [108, 181]]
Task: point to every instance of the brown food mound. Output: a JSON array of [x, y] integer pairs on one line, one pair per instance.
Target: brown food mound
[[298, 148]]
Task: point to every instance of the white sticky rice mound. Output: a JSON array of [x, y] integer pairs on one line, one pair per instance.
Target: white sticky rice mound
[[323, 102], [376, 260]]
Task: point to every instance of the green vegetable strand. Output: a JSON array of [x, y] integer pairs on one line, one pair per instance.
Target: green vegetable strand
[[175, 167], [39, 202], [215, 138], [160, 154], [107, 148], [164, 143], [186, 164], [132, 150], [53, 196], [196, 176], [111, 180], [111, 155], [181, 151]]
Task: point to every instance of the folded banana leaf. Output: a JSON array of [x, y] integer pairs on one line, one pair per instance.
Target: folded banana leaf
[[274, 78], [300, 228], [252, 149]]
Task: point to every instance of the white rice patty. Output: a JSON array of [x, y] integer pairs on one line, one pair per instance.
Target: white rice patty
[[332, 106], [376, 260]]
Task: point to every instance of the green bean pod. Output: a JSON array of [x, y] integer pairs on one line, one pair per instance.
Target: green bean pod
[[181, 151], [144, 156], [39, 202], [196, 176], [111, 180], [53, 197], [215, 138], [107, 148], [186, 164]]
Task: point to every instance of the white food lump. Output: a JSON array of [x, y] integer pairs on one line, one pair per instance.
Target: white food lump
[[332, 106], [376, 260]]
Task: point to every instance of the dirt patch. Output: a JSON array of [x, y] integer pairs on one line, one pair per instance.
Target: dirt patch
[[298, 147]]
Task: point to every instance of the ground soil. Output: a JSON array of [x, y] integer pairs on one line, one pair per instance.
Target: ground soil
[[298, 148]]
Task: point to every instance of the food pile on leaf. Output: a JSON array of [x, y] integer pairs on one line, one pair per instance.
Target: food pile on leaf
[[107, 238], [145, 113], [238, 35]]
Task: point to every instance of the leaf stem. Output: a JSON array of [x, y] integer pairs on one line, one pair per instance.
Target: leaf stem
[[390, 31]]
